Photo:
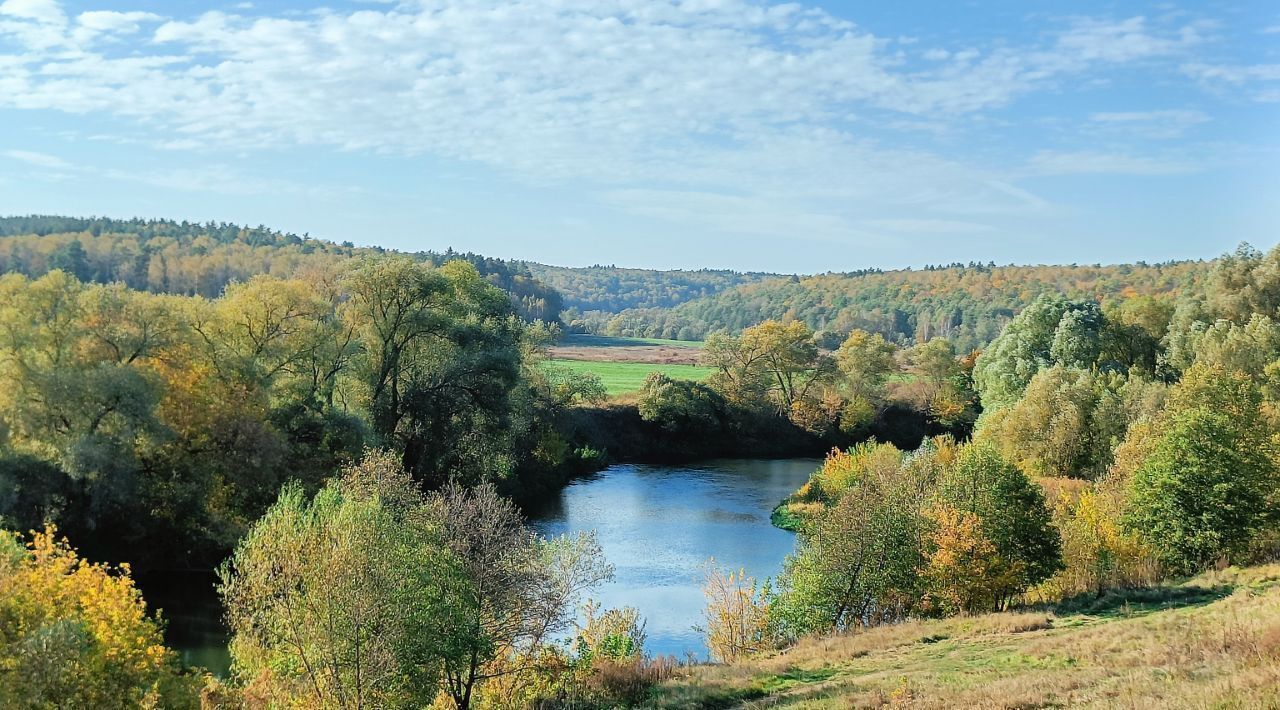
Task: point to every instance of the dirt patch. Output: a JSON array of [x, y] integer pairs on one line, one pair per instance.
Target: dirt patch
[[650, 354]]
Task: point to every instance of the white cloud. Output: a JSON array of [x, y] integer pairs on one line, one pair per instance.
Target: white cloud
[[1126, 40], [1163, 124], [40, 160], [733, 107], [107, 21], [45, 11], [1261, 79]]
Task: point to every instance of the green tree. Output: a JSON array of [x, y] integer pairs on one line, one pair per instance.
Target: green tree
[[1034, 340], [520, 591], [857, 561], [866, 360], [1068, 421], [1203, 492], [343, 598], [440, 358], [774, 362], [1012, 513], [680, 405]]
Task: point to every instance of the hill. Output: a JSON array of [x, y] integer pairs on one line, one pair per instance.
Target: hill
[[610, 289], [967, 303], [195, 259], [1211, 642]]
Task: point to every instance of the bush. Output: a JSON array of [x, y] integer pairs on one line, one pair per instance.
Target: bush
[[1202, 493], [680, 405], [77, 634]]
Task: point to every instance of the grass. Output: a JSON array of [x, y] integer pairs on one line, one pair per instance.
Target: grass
[[1211, 642], [621, 378]]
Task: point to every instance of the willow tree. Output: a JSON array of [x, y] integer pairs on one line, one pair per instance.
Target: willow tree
[[439, 359]]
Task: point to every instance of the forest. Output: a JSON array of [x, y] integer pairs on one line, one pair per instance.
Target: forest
[[967, 304], [347, 436]]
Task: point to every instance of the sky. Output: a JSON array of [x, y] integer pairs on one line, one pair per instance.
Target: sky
[[799, 137]]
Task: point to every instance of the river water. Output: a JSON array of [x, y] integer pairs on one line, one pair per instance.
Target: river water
[[657, 524]]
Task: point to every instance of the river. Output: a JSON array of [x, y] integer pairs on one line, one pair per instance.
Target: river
[[657, 524]]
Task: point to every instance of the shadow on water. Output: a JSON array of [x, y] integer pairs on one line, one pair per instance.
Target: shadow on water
[[192, 611]]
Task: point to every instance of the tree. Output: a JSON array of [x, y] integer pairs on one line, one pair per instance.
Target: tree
[[1068, 421], [1097, 552], [963, 572], [866, 361], [77, 634], [736, 620], [1012, 514], [1202, 493], [440, 357], [857, 561], [1050, 330], [1078, 338], [342, 598], [944, 383], [519, 590], [680, 405], [1244, 283]]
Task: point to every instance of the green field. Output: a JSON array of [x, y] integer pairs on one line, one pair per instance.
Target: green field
[[626, 377]]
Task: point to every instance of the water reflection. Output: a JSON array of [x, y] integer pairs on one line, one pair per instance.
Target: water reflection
[[193, 617], [659, 524]]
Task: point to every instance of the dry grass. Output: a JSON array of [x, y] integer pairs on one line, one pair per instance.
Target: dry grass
[[1212, 643]]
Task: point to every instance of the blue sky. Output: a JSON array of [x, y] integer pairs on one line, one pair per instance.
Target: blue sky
[[713, 133]]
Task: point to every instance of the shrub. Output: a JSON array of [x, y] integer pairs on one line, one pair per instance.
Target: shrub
[[737, 615], [77, 634]]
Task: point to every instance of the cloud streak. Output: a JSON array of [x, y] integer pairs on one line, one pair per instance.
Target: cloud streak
[[667, 108]]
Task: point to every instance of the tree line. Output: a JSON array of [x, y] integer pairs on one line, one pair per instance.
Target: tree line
[[968, 305], [1118, 446], [185, 258], [155, 428]]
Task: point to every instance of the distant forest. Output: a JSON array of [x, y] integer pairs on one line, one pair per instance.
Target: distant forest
[[966, 303], [609, 289], [200, 259]]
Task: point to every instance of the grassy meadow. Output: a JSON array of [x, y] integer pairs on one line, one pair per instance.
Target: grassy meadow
[[1212, 642], [622, 378], [623, 363]]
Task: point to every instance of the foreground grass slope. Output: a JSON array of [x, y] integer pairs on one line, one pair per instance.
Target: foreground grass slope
[[1211, 642]]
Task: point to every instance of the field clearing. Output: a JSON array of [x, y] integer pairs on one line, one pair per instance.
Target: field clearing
[[1213, 642], [599, 348], [627, 377]]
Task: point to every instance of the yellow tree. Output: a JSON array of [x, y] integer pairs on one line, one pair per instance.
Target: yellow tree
[[77, 634], [736, 618]]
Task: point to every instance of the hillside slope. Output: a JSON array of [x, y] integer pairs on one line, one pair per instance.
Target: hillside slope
[[188, 258], [969, 304], [1212, 642], [611, 289]]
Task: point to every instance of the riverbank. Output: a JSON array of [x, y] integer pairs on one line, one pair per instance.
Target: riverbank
[[618, 430]]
